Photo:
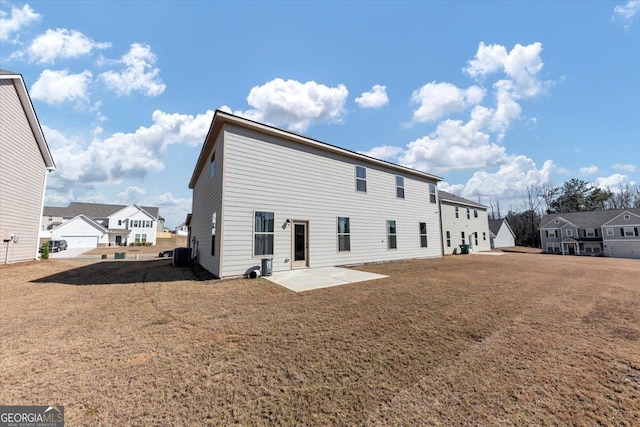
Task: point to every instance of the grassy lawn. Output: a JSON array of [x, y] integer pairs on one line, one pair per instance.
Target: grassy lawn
[[518, 339]]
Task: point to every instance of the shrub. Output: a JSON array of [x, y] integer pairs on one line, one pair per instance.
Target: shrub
[[45, 251]]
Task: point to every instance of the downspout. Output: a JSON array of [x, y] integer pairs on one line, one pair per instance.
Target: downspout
[[440, 218], [44, 189]]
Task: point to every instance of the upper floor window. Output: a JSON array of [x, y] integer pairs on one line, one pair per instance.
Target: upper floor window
[[551, 233], [400, 187], [423, 234], [484, 235], [475, 213], [457, 213], [263, 233], [448, 239], [361, 179], [344, 234], [609, 231], [590, 232], [392, 239], [627, 216], [119, 222], [212, 165], [468, 213], [569, 232], [432, 193], [629, 231]]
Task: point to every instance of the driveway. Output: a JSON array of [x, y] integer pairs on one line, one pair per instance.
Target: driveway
[[69, 253]]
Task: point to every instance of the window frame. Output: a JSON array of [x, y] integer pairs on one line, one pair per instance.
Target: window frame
[[448, 237], [360, 179], [610, 231], [346, 235], [462, 235], [433, 189], [569, 232], [214, 225], [475, 213], [399, 187], [457, 211], [468, 213], [424, 241], [263, 233], [392, 237]]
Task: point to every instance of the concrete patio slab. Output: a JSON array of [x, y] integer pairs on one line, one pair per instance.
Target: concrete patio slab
[[316, 278]]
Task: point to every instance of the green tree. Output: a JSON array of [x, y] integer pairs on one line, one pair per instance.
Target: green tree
[[577, 195], [45, 251]]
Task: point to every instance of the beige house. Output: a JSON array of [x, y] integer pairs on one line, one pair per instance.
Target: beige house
[[463, 223], [263, 192], [25, 161]]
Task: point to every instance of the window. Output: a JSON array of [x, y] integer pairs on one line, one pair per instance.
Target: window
[[551, 233], [50, 218], [629, 231], [423, 234], [119, 222], [475, 235], [144, 238], [361, 179], [484, 236], [590, 232], [432, 193], [263, 233], [448, 239], [392, 242], [475, 213], [212, 165], [462, 234], [569, 232], [137, 238], [213, 233], [609, 231], [627, 217], [468, 213], [400, 187], [457, 213], [344, 234]]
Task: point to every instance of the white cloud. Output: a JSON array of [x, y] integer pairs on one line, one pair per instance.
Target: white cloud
[[510, 181], [138, 74], [375, 98], [173, 209], [488, 60], [132, 194], [627, 13], [18, 18], [589, 170], [61, 44], [625, 167], [439, 99], [384, 152], [614, 182], [293, 104], [55, 87], [450, 188]]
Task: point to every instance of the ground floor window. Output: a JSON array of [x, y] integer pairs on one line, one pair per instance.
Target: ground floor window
[[144, 238], [484, 235], [263, 233], [462, 235], [344, 234], [553, 247], [476, 237], [423, 234], [137, 238], [392, 239], [448, 239]]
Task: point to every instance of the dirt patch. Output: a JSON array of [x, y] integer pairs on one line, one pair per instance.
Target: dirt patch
[[519, 339]]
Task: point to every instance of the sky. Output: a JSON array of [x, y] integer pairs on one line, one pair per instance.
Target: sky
[[494, 97]]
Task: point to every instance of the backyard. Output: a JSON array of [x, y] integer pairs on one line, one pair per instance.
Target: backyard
[[517, 339]]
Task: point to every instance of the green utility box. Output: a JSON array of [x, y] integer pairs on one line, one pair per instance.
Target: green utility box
[[464, 249], [119, 255]]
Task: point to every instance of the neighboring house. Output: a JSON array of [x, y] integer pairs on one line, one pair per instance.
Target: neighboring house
[[463, 222], [25, 161], [92, 224], [502, 236], [182, 230], [612, 233], [263, 192]]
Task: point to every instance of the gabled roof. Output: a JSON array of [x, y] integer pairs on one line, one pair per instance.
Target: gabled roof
[[221, 117], [30, 113], [81, 218], [452, 198], [590, 219], [92, 210], [495, 224]]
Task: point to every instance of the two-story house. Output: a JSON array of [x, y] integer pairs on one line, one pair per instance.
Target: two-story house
[[464, 222], [94, 224], [264, 192], [611, 233]]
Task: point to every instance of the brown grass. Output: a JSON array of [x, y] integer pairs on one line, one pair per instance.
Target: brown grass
[[517, 339]]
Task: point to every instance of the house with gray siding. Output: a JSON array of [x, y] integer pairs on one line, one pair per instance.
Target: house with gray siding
[[263, 192], [612, 233], [464, 222], [25, 162]]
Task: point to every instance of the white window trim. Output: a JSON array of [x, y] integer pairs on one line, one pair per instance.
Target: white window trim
[[390, 234], [253, 234], [338, 234], [398, 187], [355, 172], [426, 238], [610, 231], [569, 232], [433, 190]]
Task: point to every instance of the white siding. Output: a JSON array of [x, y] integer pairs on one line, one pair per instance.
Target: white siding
[[22, 179], [207, 198], [504, 238], [298, 182], [79, 228], [470, 226]]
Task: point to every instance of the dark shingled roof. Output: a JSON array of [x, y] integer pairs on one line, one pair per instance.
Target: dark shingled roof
[[448, 197], [495, 224], [91, 210], [590, 219]]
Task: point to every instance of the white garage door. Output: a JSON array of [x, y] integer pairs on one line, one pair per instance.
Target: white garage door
[[622, 250], [81, 241]]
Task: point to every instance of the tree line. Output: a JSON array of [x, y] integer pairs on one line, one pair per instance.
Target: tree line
[[574, 195]]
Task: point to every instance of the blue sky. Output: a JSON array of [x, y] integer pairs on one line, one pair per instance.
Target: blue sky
[[495, 97]]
